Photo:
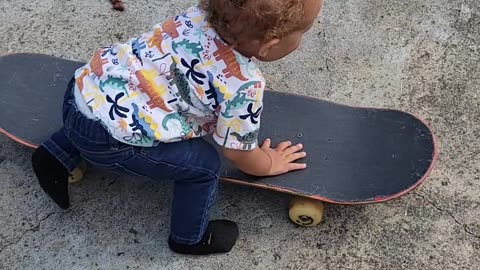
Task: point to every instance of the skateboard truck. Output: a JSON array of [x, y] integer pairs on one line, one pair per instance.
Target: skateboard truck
[[77, 174]]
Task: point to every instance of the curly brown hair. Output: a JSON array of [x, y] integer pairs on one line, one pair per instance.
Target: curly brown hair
[[238, 20]]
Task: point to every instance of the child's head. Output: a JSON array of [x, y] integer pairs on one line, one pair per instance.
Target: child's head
[[265, 29]]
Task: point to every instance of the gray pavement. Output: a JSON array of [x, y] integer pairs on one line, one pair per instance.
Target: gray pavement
[[419, 56]]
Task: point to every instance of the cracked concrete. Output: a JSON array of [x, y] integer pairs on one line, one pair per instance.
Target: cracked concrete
[[419, 56], [27, 231], [465, 227]]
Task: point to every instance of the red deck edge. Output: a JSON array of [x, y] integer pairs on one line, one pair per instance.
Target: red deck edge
[[9, 135]]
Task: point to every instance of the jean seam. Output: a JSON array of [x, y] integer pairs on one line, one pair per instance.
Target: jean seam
[[59, 154], [130, 171], [128, 150], [208, 205], [210, 173], [186, 241], [83, 137]]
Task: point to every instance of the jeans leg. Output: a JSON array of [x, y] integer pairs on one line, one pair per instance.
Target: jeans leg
[[61, 148], [194, 193], [192, 200], [193, 166], [59, 144]]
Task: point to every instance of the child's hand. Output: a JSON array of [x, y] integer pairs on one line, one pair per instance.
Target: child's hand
[[284, 157], [267, 161]]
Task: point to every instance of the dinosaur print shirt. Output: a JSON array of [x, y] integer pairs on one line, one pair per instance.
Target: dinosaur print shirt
[[177, 82]]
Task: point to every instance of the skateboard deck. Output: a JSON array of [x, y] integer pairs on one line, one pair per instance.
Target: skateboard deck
[[354, 155]]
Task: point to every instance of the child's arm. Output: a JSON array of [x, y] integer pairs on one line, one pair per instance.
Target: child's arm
[[267, 161]]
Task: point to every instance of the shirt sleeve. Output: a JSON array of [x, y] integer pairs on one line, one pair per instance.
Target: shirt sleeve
[[239, 117]]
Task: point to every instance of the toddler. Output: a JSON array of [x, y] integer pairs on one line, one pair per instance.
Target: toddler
[[142, 108]]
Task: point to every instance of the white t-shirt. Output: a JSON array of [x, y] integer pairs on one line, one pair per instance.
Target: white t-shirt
[[176, 82]]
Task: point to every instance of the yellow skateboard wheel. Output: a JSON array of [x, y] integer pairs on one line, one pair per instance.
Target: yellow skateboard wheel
[[77, 174], [306, 212]]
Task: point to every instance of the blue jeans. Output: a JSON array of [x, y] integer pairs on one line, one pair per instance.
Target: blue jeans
[[191, 164]]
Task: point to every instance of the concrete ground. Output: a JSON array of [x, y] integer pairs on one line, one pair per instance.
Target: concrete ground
[[414, 55]]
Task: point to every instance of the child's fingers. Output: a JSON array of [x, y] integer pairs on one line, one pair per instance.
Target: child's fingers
[[296, 156], [283, 145], [296, 166], [293, 149], [266, 144]]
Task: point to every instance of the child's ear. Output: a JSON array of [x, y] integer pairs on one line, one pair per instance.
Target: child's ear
[[267, 46]]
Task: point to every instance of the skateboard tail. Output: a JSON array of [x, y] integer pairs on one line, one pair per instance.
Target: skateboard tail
[[427, 173], [435, 155], [377, 199]]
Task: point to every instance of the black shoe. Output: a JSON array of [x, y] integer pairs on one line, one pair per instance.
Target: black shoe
[[52, 176], [220, 237]]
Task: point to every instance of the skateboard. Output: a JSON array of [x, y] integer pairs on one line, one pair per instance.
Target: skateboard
[[355, 155]]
